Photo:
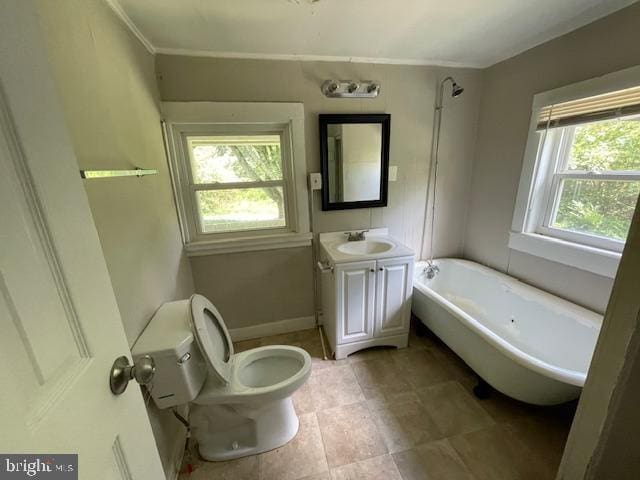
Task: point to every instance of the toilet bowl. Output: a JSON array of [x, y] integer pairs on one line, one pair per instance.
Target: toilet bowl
[[240, 404]]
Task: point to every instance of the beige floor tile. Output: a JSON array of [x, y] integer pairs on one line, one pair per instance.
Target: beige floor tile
[[302, 399], [410, 399], [380, 396], [545, 437], [318, 362], [246, 345], [350, 434], [318, 476], [333, 387], [497, 453], [422, 368], [460, 370], [376, 468], [301, 457], [245, 468], [382, 374], [504, 409], [404, 425], [453, 409], [432, 461]]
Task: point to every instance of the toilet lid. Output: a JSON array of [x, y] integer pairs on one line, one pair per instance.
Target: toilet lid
[[212, 336]]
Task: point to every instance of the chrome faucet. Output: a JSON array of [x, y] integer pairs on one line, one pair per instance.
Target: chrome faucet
[[355, 236], [431, 270]]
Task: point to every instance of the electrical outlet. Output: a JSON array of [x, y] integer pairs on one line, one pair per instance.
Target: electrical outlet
[[315, 181]]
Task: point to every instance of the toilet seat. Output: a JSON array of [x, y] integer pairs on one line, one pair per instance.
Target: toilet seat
[[281, 370], [212, 336], [260, 374]]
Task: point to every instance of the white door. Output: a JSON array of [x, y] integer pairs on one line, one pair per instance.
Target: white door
[[355, 292], [394, 285], [60, 329]]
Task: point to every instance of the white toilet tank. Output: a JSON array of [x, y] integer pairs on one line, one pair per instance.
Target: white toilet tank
[[180, 368]]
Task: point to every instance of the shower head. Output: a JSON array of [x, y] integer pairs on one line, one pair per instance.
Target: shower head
[[456, 90]]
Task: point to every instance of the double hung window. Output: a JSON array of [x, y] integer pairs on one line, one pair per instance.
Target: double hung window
[[581, 173]]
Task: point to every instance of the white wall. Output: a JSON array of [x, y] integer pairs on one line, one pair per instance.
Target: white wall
[[407, 93], [106, 81], [599, 48]]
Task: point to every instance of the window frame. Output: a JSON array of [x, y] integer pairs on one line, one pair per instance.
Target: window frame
[[185, 120], [241, 130], [530, 232]]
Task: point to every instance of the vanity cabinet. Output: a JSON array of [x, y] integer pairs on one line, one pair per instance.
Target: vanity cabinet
[[367, 303]]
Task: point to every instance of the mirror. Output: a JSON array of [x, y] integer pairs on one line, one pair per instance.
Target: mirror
[[354, 151]]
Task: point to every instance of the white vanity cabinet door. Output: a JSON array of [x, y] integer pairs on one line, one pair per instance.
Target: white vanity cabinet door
[[394, 284], [355, 300]]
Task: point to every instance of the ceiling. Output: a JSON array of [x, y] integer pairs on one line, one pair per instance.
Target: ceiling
[[473, 33]]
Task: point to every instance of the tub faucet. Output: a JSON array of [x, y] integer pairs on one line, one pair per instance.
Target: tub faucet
[[431, 270], [355, 236]]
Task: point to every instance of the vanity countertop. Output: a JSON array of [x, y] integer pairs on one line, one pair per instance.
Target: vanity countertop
[[378, 244]]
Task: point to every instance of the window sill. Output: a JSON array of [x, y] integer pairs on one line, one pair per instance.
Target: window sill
[[248, 244], [591, 259]]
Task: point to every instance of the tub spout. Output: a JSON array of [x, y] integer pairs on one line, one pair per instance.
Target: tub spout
[[431, 271]]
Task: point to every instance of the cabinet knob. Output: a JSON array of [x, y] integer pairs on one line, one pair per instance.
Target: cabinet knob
[[381, 269], [372, 270]]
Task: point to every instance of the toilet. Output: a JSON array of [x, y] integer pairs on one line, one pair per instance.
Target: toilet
[[239, 404]]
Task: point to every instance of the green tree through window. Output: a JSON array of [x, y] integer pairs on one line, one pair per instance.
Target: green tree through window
[[601, 207], [240, 208]]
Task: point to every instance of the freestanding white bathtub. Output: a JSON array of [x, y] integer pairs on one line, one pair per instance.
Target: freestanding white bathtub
[[524, 342]]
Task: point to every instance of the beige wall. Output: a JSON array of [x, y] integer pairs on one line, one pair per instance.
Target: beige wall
[[605, 46], [407, 94], [270, 285], [106, 80]]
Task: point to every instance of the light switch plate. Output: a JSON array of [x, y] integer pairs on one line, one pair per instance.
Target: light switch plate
[[315, 181], [393, 173]]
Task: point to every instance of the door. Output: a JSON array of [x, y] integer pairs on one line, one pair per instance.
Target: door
[[394, 285], [60, 329], [355, 292]]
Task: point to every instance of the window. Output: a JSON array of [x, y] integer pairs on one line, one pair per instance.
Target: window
[[581, 173], [238, 172], [238, 182], [594, 181]]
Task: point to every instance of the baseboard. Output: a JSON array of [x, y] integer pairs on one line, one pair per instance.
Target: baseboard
[[272, 328]]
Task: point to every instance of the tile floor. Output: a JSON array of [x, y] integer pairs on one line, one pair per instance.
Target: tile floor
[[401, 414]]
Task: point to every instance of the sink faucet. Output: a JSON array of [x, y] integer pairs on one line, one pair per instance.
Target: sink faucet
[[355, 236]]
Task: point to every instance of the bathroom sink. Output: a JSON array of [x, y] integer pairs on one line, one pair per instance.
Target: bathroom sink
[[377, 244], [365, 247]]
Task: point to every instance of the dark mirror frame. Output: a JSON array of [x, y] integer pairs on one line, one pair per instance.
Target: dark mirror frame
[[383, 119]]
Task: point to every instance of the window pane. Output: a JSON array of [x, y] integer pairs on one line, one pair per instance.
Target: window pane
[[607, 145], [597, 207], [241, 209], [235, 158]]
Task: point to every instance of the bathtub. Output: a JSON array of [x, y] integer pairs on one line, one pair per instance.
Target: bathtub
[[524, 342]]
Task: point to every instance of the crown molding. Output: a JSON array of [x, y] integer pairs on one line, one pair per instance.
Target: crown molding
[[312, 58], [117, 8]]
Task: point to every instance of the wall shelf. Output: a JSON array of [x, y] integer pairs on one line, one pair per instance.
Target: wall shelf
[[137, 172]]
